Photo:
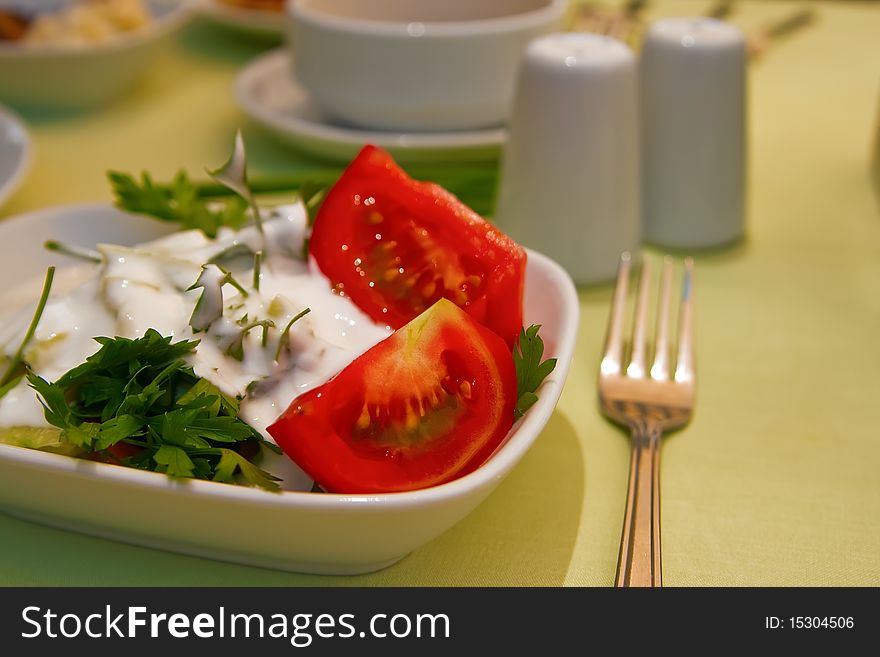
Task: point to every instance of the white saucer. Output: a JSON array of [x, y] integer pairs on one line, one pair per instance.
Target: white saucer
[[255, 22], [266, 91], [15, 153]]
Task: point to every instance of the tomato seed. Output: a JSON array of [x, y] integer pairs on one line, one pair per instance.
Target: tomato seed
[[412, 420], [364, 420]]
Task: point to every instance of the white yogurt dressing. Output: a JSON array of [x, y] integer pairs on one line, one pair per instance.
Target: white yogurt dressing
[[147, 286]]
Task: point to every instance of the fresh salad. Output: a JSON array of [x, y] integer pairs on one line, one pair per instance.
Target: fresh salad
[[371, 332]]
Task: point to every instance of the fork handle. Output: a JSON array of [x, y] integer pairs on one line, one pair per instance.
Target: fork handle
[[639, 562]]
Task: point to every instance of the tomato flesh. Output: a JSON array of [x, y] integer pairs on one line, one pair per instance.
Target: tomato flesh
[[395, 246], [426, 405]]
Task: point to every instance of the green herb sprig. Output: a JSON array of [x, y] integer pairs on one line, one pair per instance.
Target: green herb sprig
[[178, 202], [142, 393], [312, 195], [15, 370], [530, 369], [236, 347], [284, 338], [233, 176]]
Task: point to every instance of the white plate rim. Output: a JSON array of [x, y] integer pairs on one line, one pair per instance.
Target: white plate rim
[[494, 469], [25, 155], [275, 60]]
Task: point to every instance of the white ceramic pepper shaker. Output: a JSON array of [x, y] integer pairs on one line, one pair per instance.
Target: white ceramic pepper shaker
[[570, 170], [693, 94]]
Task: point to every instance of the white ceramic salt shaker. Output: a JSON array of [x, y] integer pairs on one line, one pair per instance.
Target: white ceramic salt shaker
[[570, 169], [693, 94]]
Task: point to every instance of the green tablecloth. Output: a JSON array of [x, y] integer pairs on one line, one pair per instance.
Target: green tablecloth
[[777, 479]]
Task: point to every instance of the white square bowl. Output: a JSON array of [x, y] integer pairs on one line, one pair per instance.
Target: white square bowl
[[305, 532]]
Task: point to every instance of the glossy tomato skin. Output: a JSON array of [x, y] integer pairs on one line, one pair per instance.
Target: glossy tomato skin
[[395, 246], [426, 405]]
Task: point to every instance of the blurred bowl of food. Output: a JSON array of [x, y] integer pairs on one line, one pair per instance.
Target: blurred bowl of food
[[77, 54], [426, 66]]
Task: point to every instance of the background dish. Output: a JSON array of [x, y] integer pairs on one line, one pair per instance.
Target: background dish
[[266, 91], [391, 65], [15, 153], [83, 76], [317, 533]]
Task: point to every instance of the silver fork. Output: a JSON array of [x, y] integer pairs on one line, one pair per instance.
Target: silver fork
[[649, 402]]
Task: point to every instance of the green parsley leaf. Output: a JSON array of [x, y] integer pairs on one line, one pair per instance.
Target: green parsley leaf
[[204, 388], [530, 369], [143, 393], [55, 406], [178, 202], [230, 461], [82, 435], [173, 461], [124, 357], [116, 429]]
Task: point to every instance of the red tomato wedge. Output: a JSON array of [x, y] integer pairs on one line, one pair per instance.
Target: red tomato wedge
[[394, 246], [426, 405]]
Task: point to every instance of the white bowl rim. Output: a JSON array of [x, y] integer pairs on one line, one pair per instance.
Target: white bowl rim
[[524, 433], [180, 11], [302, 11]]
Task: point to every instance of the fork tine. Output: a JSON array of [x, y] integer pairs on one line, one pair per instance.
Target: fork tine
[[684, 368], [636, 367], [660, 368], [613, 355]]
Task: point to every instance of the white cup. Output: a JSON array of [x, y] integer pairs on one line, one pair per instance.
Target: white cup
[[570, 171], [693, 73], [406, 65]]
